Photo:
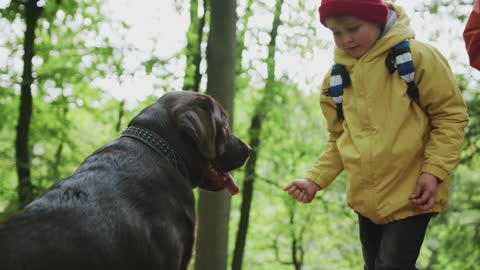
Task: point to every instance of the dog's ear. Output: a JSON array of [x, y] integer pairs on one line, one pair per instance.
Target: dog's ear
[[197, 121]]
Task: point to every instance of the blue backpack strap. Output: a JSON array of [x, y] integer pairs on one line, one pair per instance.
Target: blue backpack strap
[[339, 79], [400, 58]]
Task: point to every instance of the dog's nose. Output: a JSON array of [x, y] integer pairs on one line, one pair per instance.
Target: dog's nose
[[247, 149]]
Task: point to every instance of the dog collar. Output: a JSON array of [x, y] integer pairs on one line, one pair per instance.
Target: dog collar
[[158, 144]]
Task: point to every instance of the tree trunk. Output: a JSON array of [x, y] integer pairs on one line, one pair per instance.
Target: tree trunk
[[296, 245], [62, 135], [121, 112], [247, 194], [214, 208], [241, 37], [193, 77], [255, 142], [297, 251], [22, 149]]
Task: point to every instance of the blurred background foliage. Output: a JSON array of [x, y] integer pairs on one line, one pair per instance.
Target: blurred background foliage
[[89, 78]]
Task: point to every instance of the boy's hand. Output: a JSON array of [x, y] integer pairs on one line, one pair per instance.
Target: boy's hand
[[302, 190], [424, 195]]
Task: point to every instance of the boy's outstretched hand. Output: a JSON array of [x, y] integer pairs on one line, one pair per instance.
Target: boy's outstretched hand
[[302, 190], [424, 195]]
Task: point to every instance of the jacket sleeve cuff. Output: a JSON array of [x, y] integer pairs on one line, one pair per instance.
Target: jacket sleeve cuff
[[322, 183], [435, 171]]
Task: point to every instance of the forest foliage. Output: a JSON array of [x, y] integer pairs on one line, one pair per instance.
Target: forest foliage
[[78, 46]]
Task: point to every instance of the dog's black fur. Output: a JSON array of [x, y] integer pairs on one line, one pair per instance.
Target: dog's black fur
[[127, 207]]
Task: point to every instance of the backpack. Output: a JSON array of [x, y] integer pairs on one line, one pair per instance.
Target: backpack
[[399, 58]]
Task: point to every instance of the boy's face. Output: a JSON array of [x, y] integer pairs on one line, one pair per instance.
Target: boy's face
[[352, 34]]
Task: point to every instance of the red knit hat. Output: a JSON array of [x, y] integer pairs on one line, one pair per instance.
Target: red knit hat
[[375, 11]]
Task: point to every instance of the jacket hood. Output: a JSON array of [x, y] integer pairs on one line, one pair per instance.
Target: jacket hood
[[400, 31]]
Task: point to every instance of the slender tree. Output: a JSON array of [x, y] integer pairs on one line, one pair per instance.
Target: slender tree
[[22, 149], [193, 51], [63, 109], [241, 36], [297, 251], [48, 47], [214, 208], [255, 142], [121, 112]]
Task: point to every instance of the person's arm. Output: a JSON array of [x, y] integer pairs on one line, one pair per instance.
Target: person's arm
[[471, 35], [441, 99], [330, 164]]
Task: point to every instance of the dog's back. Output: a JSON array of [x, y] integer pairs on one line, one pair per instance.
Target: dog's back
[[103, 217]]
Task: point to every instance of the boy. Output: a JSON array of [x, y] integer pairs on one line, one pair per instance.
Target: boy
[[398, 152]]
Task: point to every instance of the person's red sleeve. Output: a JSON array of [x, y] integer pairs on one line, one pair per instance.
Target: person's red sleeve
[[471, 35]]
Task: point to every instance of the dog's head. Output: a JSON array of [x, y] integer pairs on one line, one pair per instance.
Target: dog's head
[[202, 124], [205, 122]]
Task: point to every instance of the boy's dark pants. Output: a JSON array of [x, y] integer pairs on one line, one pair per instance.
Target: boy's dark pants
[[392, 246]]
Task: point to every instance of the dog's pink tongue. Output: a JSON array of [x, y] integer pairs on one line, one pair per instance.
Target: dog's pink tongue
[[232, 187]]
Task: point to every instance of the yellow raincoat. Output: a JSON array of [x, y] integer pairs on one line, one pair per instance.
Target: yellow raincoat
[[387, 140]]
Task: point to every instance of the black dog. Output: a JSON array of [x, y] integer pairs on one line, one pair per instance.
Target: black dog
[[130, 204]]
